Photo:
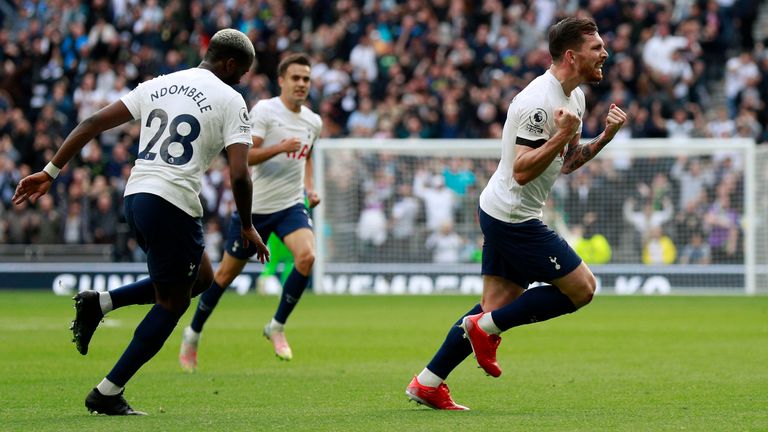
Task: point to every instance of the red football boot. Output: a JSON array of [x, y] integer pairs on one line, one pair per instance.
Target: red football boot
[[438, 398], [483, 344]]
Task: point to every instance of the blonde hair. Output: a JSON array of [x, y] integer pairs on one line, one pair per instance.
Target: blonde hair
[[230, 43]]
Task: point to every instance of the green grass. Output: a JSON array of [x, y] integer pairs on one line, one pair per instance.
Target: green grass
[[622, 364]]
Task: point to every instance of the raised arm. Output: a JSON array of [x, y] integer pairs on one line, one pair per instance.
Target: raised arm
[[531, 161], [37, 184], [579, 154]]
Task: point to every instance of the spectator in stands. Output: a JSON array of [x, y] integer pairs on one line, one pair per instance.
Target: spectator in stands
[[647, 219], [20, 224], [648, 124], [722, 225], [593, 248], [658, 248], [459, 175], [75, 229], [362, 122], [747, 125], [119, 159], [583, 197], [722, 126], [659, 50], [680, 125], [660, 190], [9, 177], [696, 251], [450, 123], [49, 223], [88, 99], [363, 59], [438, 200], [403, 224], [693, 177], [445, 244], [104, 219], [741, 73], [372, 225]]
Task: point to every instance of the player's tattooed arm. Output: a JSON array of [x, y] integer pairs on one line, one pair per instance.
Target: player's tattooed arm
[[579, 154]]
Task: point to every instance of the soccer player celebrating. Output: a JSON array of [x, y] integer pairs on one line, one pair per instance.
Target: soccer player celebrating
[[540, 140], [187, 118], [284, 131]]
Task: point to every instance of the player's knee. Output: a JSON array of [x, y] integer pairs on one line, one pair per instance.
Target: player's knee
[[304, 261], [224, 277], [201, 285], [586, 291], [177, 305]]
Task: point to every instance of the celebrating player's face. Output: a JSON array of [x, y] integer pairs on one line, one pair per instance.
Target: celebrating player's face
[[294, 83], [590, 58]]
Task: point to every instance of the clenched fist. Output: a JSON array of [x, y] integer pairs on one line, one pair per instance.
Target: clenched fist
[[566, 121]]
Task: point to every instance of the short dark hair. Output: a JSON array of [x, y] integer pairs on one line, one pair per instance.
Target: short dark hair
[[569, 34], [296, 58], [230, 43]]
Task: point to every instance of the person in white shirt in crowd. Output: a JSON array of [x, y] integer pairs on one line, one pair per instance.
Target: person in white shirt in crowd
[[439, 201], [446, 245]]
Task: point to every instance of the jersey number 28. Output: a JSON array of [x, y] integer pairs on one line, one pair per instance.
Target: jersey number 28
[[175, 136]]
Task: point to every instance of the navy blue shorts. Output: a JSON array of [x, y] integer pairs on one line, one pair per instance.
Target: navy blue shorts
[[524, 252], [172, 239], [281, 223]]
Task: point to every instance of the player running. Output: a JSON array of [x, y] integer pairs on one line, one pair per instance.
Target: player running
[[540, 140], [187, 118], [284, 132]]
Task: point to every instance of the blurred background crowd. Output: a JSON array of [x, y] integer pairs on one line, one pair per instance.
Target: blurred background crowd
[[400, 69]]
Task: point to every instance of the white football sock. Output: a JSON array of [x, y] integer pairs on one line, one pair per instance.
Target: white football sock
[[108, 388], [486, 323], [105, 301], [191, 336], [276, 326], [428, 378]]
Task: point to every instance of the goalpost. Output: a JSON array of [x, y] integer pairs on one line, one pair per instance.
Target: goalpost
[[682, 216]]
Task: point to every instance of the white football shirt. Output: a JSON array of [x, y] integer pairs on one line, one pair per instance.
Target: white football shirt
[[530, 118], [187, 118], [278, 183]]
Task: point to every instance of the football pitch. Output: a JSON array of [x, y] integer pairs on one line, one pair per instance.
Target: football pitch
[[621, 364]]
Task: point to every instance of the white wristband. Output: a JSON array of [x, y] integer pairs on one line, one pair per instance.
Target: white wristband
[[52, 170]]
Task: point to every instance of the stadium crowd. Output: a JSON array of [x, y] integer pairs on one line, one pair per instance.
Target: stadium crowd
[[399, 69]]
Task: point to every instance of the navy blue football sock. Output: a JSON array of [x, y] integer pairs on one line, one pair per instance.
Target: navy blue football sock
[[208, 300], [140, 292], [149, 337], [292, 290], [535, 304], [454, 349]]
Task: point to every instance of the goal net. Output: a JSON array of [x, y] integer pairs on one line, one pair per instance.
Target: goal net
[[648, 216]]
